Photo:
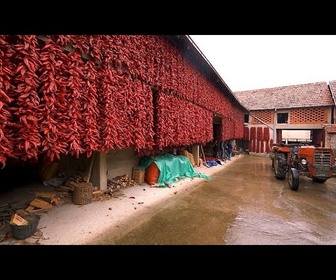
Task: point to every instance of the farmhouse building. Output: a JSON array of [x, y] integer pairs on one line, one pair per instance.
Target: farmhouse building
[[98, 103], [276, 112]]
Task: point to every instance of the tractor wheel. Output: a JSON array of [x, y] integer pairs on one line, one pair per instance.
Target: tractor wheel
[[293, 179], [317, 180], [279, 169]]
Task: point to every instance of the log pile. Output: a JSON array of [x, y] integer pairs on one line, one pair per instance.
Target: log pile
[[120, 182], [44, 201]]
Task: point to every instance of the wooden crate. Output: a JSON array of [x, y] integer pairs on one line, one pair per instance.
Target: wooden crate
[[138, 175]]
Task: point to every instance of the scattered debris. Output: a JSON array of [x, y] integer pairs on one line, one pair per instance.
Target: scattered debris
[[97, 194], [51, 197], [45, 199], [57, 181], [168, 185], [18, 220], [4, 237], [38, 205]]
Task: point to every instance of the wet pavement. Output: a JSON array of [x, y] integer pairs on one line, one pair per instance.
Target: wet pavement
[[241, 205]]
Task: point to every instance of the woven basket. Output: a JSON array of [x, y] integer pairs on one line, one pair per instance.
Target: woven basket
[[82, 193]]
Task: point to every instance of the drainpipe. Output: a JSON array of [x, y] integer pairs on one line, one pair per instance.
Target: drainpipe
[[333, 108], [274, 128], [332, 112]]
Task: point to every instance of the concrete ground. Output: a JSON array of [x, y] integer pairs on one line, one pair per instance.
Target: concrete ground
[[70, 224]]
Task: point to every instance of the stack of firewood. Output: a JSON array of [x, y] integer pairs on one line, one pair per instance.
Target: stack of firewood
[[43, 201], [120, 182]]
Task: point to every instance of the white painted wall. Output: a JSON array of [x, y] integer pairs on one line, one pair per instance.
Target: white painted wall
[[296, 135]]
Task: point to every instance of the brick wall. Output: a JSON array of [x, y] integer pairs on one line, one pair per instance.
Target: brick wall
[[309, 116], [317, 115]]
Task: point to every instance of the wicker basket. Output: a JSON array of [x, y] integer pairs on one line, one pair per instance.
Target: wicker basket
[[138, 175], [82, 193]]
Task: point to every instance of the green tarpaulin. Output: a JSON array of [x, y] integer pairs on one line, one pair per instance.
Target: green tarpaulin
[[172, 168]]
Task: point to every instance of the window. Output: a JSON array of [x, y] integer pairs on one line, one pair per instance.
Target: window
[[246, 118], [282, 118]]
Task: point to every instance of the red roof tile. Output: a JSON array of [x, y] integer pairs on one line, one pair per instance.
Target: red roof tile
[[297, 96], [332, 85]]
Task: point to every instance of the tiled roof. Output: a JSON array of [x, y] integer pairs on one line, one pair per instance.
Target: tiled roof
[[286, 97], [332, 85]]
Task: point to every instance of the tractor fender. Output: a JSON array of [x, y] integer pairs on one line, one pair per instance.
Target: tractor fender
[[295, 172]]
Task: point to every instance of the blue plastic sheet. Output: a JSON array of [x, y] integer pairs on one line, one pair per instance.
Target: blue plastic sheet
[[172, 168]]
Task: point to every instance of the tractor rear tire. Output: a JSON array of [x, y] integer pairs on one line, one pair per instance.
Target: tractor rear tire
[[279, 169]]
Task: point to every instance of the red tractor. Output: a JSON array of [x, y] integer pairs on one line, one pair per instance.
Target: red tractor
[[317, 163]]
